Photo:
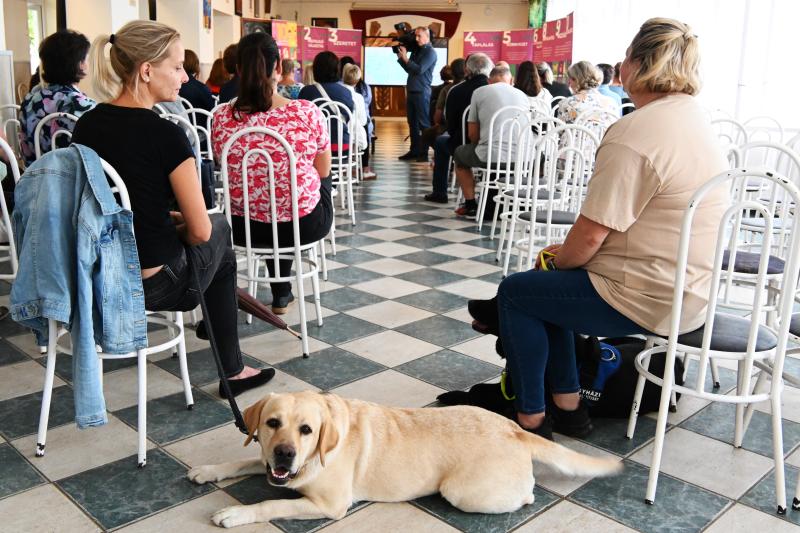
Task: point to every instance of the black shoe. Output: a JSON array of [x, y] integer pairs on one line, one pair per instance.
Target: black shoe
[[437, 198], [545, 429], [280, 304], [200, 331], [571, 423], [421, 159], [468, 211], [408, 156], [238, 386]]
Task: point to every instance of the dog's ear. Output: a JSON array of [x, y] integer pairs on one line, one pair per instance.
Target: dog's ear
[[251, 417], [332, 426]]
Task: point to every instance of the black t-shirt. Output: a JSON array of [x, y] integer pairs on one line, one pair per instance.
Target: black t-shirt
[[144, 149], [458, 99]]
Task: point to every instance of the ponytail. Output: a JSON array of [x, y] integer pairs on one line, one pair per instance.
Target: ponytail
[[106, 83], [256, 58]]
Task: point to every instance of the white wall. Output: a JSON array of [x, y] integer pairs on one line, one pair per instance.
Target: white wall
[[187, 17], [15, 17], [2, 30]]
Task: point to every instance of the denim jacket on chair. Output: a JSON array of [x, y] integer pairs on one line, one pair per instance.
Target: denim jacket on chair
[[79, 266]]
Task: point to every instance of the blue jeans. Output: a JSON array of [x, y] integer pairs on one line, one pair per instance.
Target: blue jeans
[[539, 314], [417, 113], [441, 163]]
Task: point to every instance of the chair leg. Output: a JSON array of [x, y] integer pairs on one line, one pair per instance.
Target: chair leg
[[142, 422], [714, 373], [352, 203], [301, 301], [252, 285], [510, 245], [187, 385], [777, 446], [47, 391], [323, 259], [637, 395], [661, 426], [503, 226], [482, 201], [315, 287], [494, 217]]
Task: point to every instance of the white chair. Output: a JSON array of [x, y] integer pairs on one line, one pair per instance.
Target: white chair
[[173, 322], [191, 132], [201, 120], [61, 131], [763, 128], [10, 249], [185, 103], [498, 172], [340, 120], [554, 103], [305, 267], [627, 105], [568, 153], [730, 132], [539, 107], [451, 164], [598, 120], [749, 340], [11, 126]]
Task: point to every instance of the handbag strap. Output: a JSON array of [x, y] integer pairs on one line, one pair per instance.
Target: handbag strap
[[323, 93]]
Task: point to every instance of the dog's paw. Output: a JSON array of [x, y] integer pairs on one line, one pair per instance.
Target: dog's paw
[[203, 474], [232, 516]]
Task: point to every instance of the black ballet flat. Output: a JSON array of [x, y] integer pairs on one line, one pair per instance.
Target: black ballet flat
[[239, 386]]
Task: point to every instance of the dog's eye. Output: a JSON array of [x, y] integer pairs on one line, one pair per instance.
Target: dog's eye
[[305, 429], [274, 423]]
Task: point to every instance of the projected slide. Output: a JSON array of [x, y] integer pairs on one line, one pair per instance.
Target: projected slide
[[381, 66]]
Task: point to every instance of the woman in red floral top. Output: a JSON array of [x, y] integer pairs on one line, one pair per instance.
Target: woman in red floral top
[[302, 124]]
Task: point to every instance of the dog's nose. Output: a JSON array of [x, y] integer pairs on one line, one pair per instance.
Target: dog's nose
[[285, 451]]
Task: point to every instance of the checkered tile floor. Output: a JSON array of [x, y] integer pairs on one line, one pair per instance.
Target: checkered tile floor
[[396, 332]]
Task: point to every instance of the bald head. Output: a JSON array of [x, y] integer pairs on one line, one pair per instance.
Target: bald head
[[500, 74]]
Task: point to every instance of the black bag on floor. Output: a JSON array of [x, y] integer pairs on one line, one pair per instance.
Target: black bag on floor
[[207, 183]]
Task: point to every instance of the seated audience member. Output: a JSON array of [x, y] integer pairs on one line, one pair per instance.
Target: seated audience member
[[351, 75], [230, 89], [155, 160], [216, 78], [485, 103], [63, 65], [308, 74], [555, 88], [583, 80], [288, 86], [478, 66], [197, 92], [616, 83], [302, 124], [364, 90], [439, 125], [614, 273], [528, 81], [328, 87], [446, 74], [605, 89]]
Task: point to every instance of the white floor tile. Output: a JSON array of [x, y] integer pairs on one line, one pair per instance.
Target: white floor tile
[[467, 267], [389, 266], [481, 348], [23, 378], [390, 348], [70, 450], [43, 509], [389, 517], [743, 519], [566, 517], [474, 289], [390, 287], [389, 212], [121, 387], [464, 251], [390, 314], [462, 314], [278, 346], [389, 234], [391, 388], [707, 462], [454, 236], [389, 249], [388, 222]]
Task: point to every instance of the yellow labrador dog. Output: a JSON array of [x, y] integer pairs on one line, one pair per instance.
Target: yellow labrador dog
[[336, 451]]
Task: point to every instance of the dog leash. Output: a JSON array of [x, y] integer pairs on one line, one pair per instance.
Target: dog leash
[[237, 414]]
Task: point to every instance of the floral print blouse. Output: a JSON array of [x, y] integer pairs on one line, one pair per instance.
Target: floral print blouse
[[290, 91], [570, 108], [42, 101]]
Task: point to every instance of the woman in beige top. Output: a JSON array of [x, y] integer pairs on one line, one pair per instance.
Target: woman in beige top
[[613, 275]]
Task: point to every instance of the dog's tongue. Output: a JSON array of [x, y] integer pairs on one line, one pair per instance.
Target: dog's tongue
[[280, 472]]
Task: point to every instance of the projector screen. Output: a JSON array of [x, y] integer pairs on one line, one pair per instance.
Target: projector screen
[[381, 66]]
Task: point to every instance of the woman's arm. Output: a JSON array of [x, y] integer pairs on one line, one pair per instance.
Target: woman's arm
[[582, 242], [322, 162], [196, 227]]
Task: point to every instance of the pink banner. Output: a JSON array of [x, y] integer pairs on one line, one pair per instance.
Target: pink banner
[[312, 40], [345, 43], [554, 41], [517, 46], [487, 42]]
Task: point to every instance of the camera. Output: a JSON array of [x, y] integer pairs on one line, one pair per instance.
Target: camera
[[406, 38]]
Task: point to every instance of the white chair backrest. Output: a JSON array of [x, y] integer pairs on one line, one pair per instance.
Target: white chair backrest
[[118, 186], [627, 105], [761, 283], [555, 102], [464, 117], [191, 132], [11, 126], [11, 247], [507, 127], [598, 120], [246, 158], [340, 119], [568, 153], [539, 107], [186, 103], [772, 157], [763, 128], [55, 133], [201, 120], [729, 131]]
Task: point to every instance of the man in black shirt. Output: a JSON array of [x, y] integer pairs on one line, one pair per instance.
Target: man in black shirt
[[478, 67], [555, 88]]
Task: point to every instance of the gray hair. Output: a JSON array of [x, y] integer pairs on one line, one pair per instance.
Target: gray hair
[[545, 72], [500, 72], [585, 75], [479, 64]]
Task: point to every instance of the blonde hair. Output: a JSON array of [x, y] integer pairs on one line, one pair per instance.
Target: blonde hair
[[137, 42], [351, 74], [585, 75], [287, 67], [668, 58], [308, 74]]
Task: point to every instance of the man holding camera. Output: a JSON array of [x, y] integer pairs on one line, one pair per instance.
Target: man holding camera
[[418, 88]]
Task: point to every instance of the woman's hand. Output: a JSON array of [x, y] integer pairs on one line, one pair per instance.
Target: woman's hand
[[553, 249], [177, 217]]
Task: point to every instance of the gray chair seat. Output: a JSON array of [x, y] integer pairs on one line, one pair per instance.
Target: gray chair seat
[[730, 335], [558, 217], [541, 194], [747, 263], [759, 222], [794, 325]]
